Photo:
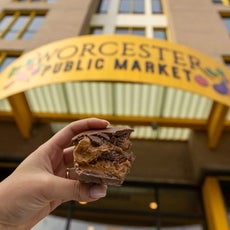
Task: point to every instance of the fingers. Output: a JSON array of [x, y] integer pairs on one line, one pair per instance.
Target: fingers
[[97, 191], [68, 156], [67, 189], [63, 138]]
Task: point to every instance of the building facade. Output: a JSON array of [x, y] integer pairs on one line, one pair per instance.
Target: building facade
[[181, 138]]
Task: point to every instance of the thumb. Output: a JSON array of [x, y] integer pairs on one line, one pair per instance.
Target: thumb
[[68, 189]]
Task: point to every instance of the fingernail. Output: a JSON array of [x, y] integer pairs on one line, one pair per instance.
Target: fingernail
[[97, 191], [107, 123]]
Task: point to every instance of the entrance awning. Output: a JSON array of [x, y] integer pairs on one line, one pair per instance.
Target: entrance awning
[[161, 88]]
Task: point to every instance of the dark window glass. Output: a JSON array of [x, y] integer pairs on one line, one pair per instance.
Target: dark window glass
[[96, 30], [134, 31], [16, 27], [160, 33], [36, 23], [131, 6], [103, 6], [6, 62], [227, 60], [5, 22], [122, 31], [132, 197], [226, 20], [33, 27], [217, 1], [138, 6], [157, 7], [225, 188], [169, 223], [124, 6], [180, 201], [147, 207], [140, 32], [23, 26], [128, 203]]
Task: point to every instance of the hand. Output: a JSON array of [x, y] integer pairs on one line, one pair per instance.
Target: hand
[[39, 183]]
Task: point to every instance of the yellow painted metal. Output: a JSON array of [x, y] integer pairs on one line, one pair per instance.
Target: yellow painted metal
[[21, 113], [199, 124], [216, 123], [225, 2], [216, 213], [2, 57], [118, 58]]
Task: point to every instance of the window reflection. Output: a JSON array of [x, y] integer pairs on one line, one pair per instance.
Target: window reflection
[[20, 25], [5, 22], [33, 27], [131, 6], [157, 7], [138, 6], [130, 30], [227, 63], [226, 21], [217, 1], [124, 6], [159, 33], [96, 30], [122, 31], [225, 187], [226, 59], [51, 222], [103, 6], [15, 28], [7, 60], [127, 207], [140, 31]]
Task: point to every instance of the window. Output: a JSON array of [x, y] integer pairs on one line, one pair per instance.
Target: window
[[157, 7], [131, 6], [217, 1], [226, 21], [103, 7], [148, 207], [160, 33], [227, 60], [130, 30], [6, 58], [96, 30], [225, 2], [20, 25]]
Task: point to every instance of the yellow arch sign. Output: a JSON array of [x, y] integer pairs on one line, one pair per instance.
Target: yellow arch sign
[[122, 58]]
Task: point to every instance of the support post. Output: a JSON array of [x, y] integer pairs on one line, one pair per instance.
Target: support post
[[215, 210], [216, 123], [21, 113]]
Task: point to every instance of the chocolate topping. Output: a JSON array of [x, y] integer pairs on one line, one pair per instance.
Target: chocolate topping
[[97, 137], [103, 156]]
